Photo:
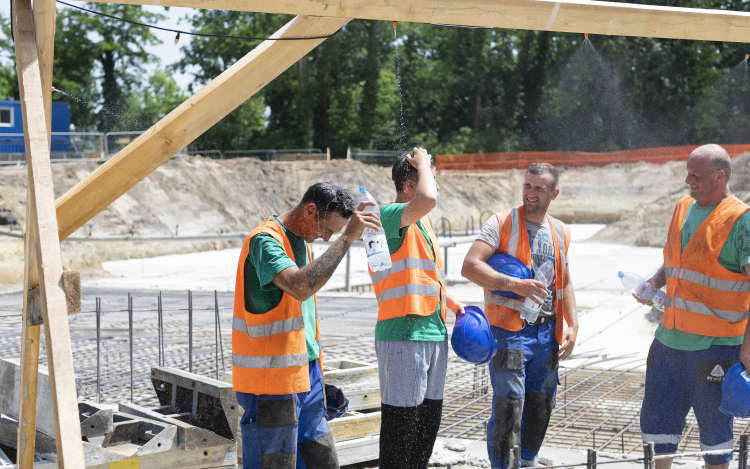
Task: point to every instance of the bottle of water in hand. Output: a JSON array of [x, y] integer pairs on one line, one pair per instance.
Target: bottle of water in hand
[[376, 246], [545, 274], [636, 285]]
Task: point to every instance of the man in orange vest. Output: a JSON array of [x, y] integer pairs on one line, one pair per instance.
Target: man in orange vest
[[703, 331], [524, 371], [275, 352], [411, 340]]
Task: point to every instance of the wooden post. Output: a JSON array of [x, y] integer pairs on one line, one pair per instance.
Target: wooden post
[[189, 120], [328, 153], [348, 153], [44, 251]]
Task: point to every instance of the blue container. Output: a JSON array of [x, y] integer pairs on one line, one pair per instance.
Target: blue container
[[472, 338], [506, 264], [11, 122]]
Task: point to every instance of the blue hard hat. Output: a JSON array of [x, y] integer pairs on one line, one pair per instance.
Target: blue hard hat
[[336, 403], [509, 265], [735, 392], [472, 339]]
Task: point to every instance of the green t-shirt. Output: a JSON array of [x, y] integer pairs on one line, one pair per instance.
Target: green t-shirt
[[734, 255], [266, 258], [413, 326]]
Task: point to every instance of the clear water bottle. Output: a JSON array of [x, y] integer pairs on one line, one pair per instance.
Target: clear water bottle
[[545, 274], [637, 286], [376, 246]]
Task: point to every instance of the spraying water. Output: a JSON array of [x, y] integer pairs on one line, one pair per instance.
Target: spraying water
[[402, 131], [723, 112]]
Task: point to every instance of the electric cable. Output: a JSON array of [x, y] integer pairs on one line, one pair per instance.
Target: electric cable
[[179, 31]]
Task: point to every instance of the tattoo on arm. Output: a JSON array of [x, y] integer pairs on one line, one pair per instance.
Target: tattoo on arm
[[320, 270], [503, 281]]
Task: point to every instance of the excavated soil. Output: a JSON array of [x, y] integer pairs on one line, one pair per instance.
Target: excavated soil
[[203, 195]]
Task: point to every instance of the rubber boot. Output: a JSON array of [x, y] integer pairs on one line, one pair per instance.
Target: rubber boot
[[427, 430], [398, 431]]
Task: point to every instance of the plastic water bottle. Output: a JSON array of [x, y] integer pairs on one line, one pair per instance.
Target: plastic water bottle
[[376, 246], [636, 285], [545, 274]]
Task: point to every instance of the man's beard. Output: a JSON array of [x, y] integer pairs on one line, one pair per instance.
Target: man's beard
[[535, 208]]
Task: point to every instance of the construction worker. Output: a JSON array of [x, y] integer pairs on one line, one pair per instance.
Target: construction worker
[[275, 351], [703, 331], [411, 340], [523, 373]]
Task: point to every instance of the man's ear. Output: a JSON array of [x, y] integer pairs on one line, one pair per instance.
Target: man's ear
[[311, 210], [555, 193]]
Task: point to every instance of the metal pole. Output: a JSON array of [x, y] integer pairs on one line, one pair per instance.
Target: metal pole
[[347, 283], [591, 459], [743, 451], [648, 456], [190, 331], [216, 330], [516, 457], [445, 261], [160, 341], [98, 347], [130, 332], [218, 326]]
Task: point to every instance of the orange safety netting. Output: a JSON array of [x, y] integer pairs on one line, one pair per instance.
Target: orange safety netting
[[494, 162]]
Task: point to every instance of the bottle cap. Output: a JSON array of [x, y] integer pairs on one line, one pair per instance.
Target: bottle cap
[[551, 259], [362, 189], [621, 274]]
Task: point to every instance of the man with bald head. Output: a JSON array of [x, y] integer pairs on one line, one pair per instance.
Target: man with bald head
[[704, 328]]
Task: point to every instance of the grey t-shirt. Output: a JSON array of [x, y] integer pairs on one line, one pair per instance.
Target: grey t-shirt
[[542, 247]]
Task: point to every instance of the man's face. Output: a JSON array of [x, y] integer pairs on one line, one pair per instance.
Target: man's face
[[411, 184], [537, 194], [324, 227], [702, 178]]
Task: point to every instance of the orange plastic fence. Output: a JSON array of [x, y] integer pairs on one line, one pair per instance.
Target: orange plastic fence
[[494, 162]]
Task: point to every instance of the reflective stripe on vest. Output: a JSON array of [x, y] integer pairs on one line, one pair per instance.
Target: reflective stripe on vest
[[403, 264], [700, 308], [274, 361], [266, 330], [706, 281], [511, 303], [409, 289]]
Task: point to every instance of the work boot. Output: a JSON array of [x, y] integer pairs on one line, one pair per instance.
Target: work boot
[[427, 430], [398, 431]]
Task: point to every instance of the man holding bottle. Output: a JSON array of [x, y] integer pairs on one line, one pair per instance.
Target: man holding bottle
[[411, 340], [524, 371], [703, 331]]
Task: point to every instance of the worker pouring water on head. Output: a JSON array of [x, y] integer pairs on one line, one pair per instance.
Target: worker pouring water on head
[[276, 369], [703, 331], [524, 373], [411, 340]]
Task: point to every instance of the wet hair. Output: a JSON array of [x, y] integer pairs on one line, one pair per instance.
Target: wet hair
[[403, 171], [542, 168], [329, 198]]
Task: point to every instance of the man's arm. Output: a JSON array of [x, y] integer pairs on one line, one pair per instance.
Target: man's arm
[[476, 269], [571, 318], [745, 349], [426, 193], [454, 305], [305, 282]]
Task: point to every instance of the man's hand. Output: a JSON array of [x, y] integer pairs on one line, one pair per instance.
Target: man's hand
[[569, 341], [640, 300], [419, 156], [456, 306], [361, 220], [529, 288]]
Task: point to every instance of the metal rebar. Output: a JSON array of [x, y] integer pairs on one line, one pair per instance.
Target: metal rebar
[[517, 457], [98, 350], [743, 451], [130, 335], [218, 326], [648, 456], [216, 331], [160, 333], [591, 459], [190, 331], [347, 282], [445, 261]]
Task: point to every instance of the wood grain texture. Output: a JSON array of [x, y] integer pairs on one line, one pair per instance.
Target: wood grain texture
[[46, 251], [571, 16], [189, 120]]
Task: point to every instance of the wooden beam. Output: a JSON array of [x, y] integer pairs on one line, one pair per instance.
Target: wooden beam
[[46, 252], [44, 12], [570, 16], [189, 120]]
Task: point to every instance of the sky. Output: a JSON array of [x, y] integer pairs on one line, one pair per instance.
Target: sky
[[168, 53]]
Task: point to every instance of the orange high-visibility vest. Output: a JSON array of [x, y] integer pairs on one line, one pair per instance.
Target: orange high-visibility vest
[[703, 297], [269, 351], [505, 312], [414, 284]]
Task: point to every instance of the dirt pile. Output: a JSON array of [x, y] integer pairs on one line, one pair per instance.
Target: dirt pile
[[647, 224]]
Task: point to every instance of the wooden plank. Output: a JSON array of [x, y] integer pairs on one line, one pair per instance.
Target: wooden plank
[[44, 30], [72, 287], [46, 245], [188, 121], [571, 16]]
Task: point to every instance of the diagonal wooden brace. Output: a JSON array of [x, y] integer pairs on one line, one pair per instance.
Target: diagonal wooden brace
[[189, 120]]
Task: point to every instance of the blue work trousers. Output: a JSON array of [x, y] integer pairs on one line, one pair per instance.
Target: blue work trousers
[[287, 431], [524, 382]]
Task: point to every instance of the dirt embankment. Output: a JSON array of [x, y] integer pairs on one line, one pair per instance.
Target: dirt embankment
[[647, 224], [202, 195]]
